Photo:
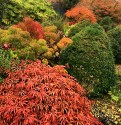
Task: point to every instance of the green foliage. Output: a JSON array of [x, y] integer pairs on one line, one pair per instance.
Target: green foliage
[[15, 10], [77, 27], [91, 60], [56, 20], [107, 23], [115, 91], [115, 38], [12, 12], [5, 62]]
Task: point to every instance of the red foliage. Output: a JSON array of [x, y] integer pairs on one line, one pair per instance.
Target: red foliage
[[42, 95], [71, 23], [80, 13], [33, 27]]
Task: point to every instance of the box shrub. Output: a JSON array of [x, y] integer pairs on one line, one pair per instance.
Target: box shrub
[[91, 60], [115, 38], [39, 94], [76, 28]]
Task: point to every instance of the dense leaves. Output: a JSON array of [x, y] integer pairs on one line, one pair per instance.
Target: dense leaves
[[91, 60], [39, 94], [33, 27], [115, 38], [13, 11], [81, 13]]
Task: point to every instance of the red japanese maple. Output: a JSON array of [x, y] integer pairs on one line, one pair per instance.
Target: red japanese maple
[[42, 95], [33, 27]]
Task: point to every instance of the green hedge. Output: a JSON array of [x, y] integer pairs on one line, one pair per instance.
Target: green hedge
[[91, 60]]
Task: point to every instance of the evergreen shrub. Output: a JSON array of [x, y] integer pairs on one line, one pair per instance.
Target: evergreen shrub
[[90, 60]]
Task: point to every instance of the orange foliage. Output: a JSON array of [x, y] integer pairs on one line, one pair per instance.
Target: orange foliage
[[64, 42], [80, 13]]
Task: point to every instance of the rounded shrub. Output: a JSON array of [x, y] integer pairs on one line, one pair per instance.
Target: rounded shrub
[[77, 27], [90, 60], [115, 38], [38, 94]]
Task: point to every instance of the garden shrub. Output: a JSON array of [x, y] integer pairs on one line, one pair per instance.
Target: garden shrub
[[51, 37], [16, 37], [109, 8], [77, 28], [90, 60], [39, 94], [107, 23], [64, 42], [33, 27], [52, 28], [22, 44], [115, 38], [80, 13], [13, 11]]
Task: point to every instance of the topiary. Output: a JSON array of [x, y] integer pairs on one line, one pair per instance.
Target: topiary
[[80, 13], [38, 94], [115, 38], [91, 60]]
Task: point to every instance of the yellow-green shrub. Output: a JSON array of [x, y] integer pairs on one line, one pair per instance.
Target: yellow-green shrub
[[16, 37], [50, 29]]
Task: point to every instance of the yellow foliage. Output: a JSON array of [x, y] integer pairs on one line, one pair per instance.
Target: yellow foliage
[[42, 42], [50, 29], [55, 48], [48, 54], [50, 35], [45, 61]]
